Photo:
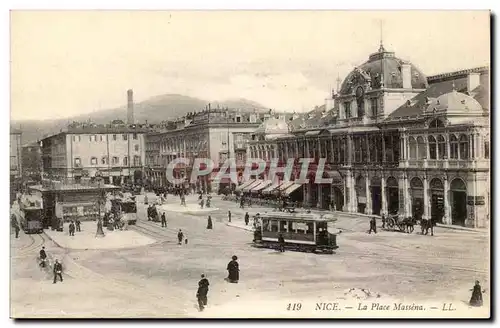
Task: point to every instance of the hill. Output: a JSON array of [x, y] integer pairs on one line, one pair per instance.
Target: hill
[[154, 110]]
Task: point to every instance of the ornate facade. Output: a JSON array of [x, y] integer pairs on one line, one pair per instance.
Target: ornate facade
[[396, 141]]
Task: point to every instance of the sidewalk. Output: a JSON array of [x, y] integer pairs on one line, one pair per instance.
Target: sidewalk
[[240, 225], [86, 239]]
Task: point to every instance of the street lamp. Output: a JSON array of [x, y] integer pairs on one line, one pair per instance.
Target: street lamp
[[100, 231]]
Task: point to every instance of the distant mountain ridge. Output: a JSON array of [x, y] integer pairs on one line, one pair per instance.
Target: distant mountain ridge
[[153, 110]]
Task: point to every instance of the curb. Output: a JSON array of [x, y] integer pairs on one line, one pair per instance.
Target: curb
[[239, 227], [452, 227], [52, 239]]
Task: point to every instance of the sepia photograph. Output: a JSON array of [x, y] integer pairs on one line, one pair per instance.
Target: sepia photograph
[[306, 164]]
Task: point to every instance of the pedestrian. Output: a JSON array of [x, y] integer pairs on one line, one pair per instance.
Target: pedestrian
[[229, 215], [373, 225], [78, 224], [383, 221], [281, 242], [477, 296], [17, 229], [146, 199], [43, 257], [209, 223], [202, 293], [57, 271], [163, 220], [202, 203], [180, 236], [71, 229], [242, 202], [233, 269], [247, 218]]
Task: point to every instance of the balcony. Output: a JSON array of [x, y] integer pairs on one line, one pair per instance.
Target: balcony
[[446, 163]]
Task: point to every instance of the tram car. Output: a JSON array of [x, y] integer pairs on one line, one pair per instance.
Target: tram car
[[31, 214], [305, 232], [126, 208]]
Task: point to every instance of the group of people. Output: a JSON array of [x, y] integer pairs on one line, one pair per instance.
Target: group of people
[[57, 269], [233, 269], [204, 203], [74, 225]]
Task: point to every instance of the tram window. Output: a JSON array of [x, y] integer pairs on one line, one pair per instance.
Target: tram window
[[265, 225], [274, 226], [310, 228], [290, 226], [321, 226], [283, 226]]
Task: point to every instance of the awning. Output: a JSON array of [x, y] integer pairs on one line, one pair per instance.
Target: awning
[[292, 188], [261, 186], [285, 185], [313, 133], [243, 185], [271, 188], [250, 186]]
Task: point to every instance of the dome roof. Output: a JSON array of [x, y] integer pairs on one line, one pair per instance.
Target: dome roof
[[387, 63], [453, 102], [273, 126]]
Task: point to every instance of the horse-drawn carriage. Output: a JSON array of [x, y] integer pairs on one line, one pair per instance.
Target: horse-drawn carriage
[[395, 222]]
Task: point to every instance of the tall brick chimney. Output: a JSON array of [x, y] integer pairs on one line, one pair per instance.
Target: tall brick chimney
[[130, 106]]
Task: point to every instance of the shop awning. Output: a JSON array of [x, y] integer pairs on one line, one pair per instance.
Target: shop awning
[[271, 188], [292, 188], [262, 185], [250, 186], [285, 185], [244, 184]]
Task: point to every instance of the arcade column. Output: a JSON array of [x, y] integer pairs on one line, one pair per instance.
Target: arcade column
[[447, 216], [368, 208], [383, 191], [426, 199]]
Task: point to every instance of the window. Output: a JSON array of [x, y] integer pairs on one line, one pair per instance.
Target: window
[[125, 161], [436, 124], [136, 147], [238, 119], [413, 148], [93, 161], [74, 138], [114, 160], [134, 136], [374, 105], [137, 160], [114, 137], [432, 147], [347, 107], [453, 147], [464, 147], [125, 137], [442, 151], [102, 137], [422, 148], [77, 162], [487, 149], [104, 160]]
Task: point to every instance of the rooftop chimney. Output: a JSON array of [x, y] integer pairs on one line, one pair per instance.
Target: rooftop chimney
[[130, 106], [473, 81]]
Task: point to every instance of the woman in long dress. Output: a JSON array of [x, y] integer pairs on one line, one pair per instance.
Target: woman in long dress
[[209, 223], [233, 269], [477, 295]]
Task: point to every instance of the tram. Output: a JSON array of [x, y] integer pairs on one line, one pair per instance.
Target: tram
[[126, 208], [301, 231], [31, 214]]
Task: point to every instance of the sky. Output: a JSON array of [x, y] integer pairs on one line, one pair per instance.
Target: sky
[[70, 63]]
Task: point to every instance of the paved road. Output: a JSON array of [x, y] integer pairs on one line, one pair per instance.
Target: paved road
[[395, 265]]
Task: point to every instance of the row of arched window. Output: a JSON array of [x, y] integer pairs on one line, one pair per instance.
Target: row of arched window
[[438, 147]]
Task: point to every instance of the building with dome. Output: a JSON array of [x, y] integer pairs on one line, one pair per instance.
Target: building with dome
[[397, 141]]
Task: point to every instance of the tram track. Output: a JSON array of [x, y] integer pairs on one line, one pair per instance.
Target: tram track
[[34, 245]]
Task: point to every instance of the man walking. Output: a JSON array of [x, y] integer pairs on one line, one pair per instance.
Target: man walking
[[78, 223], [180, 236], [229, 215], [247, 218], [163, 220], [202, 293], [373, 225], [16, 227], [57, 271], [71, 229]]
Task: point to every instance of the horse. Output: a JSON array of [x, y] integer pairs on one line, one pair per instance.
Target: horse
[[425, 225], [409, 224]]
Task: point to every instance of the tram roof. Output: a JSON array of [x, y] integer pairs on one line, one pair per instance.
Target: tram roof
[[299, 216]]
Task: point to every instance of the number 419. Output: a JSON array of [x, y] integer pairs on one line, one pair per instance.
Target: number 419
[[294, 306]]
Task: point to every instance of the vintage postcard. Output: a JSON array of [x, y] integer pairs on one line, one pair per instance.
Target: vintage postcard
[[250, 164]]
